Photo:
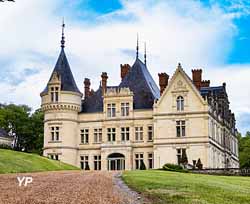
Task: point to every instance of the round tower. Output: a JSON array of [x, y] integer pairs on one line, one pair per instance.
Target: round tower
[[61, 103]]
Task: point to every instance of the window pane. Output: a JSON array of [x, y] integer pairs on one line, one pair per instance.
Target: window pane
[[178, 131]]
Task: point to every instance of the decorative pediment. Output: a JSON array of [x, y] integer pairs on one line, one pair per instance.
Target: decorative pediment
[[55, 78], [180, 86], [118, 92]]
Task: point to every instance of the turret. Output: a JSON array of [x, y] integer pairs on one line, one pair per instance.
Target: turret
[[61, 103]]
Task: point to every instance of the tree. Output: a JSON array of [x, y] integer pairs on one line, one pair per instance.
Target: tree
[[244, 150], [7, 0], [24, 127]]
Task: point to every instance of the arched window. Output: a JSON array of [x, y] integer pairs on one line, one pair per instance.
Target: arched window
[[180, 103]]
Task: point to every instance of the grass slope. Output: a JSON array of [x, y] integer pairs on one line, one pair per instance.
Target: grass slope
[[17, 162], [186, 188]]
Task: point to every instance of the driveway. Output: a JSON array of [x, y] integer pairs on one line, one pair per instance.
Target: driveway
[[71, 187]]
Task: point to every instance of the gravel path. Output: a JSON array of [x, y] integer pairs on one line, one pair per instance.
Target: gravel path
[[71, 187]]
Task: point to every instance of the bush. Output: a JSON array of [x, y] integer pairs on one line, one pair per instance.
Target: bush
[[174, 167], [5, 146], [142, 166], [199, 165], [87, 167]]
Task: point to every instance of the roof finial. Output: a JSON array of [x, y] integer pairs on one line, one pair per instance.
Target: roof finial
[[179, 66], [63, 38], [137, 46], [145, 53]]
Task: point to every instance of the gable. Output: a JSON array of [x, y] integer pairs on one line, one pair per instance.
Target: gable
[[180, 85]]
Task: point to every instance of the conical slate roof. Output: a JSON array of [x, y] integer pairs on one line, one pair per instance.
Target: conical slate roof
[[140, 81], [63, 69]]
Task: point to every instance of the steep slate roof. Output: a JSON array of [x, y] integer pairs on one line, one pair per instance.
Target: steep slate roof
[[216, 90], [141, 83], [63, 69], [138, 80], [94, 103]]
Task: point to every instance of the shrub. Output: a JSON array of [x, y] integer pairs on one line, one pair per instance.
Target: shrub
[[142, 166], [174, 167], [199, 165], [87, 167], [5, 146], [184, 159]]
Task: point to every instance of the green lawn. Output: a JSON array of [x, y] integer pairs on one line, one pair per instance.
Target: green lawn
[[165, 187], [15, 162]]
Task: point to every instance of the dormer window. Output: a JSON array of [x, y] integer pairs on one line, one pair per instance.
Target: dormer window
[[111, 110], [180, 103], [125, 109], [54, 93]]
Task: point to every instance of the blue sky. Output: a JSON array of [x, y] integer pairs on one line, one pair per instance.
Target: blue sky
[[101, 34]]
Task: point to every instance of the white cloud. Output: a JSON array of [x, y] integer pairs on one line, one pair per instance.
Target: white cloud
[[175, 31]]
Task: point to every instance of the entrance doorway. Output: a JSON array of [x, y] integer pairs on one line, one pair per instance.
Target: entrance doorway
[[116, 162]]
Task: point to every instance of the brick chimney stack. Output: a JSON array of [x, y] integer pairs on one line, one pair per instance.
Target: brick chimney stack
[[205, 83], [104, 82], [163, 81], [86, 88], [197, 77], [124, 70]]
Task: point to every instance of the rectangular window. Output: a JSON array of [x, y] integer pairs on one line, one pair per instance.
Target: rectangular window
[[180, 152], [138, 160], [111, 134], [97, 162], [180, 128], [111, 110], [84, 162], [54, 156], [54, 93], [139, 133], [55, 133], [178, 156], [98, 135], [150, 161], [125, 133], [125, 109], [150, 133], [85, 136]]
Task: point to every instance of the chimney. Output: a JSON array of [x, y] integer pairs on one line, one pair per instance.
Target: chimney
[[124, 70], [205, 83], [163, 81], [197, 77], [86, 88], [91, 92], [104, 82]]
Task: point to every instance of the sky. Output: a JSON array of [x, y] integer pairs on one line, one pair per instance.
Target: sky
[[101, 35]]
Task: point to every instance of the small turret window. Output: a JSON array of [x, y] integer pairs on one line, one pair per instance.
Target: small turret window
[[54, 94], [180, 103], [55, 133]]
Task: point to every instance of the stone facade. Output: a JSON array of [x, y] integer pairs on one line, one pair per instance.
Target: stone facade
[[120, 136], [5, 139]]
